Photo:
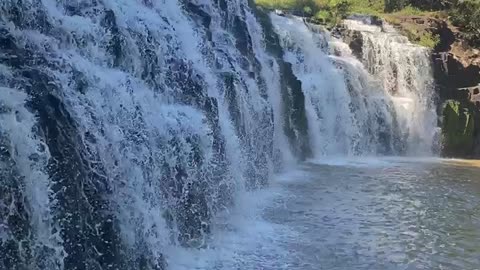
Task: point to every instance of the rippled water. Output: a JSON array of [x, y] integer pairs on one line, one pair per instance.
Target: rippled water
[[356, 214]]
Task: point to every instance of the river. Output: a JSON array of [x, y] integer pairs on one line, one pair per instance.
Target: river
[[391, 213]]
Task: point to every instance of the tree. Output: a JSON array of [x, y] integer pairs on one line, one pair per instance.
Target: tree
[[307, 11], [395, 5]]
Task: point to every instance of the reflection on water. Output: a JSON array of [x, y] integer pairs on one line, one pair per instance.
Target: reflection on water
[[354, 214]]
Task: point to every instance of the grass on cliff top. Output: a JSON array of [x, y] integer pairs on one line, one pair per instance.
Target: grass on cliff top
[[330, 12], [418, 34], [368, 7]]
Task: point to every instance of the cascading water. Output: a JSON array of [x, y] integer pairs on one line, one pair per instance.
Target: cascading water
[[352, 112], [348, 113], [126, 126], [404, 70]]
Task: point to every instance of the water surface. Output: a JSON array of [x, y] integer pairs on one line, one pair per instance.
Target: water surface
[[353, 214]]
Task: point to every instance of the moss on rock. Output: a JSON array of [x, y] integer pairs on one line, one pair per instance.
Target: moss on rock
[[458, 128]]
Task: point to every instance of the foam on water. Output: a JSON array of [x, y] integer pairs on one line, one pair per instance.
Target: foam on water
[[241, 238]]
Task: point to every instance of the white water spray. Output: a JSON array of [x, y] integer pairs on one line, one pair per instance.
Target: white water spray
[[405, 71], [352, 112]]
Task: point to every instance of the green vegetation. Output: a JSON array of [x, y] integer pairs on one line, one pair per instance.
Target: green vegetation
[[417, 35], [325, 11], [429, 40], [457, 128], [462, 13], [466, 15], [282, 4], [345, 7], [370, 7], [332, 11]]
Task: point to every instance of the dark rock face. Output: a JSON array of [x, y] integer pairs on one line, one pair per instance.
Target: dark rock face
[[13, 210], [78, 188], [354, 39], [457, 75], [295, 121], [458, 126]]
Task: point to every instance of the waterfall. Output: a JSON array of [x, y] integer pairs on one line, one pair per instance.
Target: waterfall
[[405, 71], [380, 105], [126, 126], [348, 112]]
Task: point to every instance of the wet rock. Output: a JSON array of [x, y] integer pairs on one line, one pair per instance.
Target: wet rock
[[295, 120], [88, 229], [222, 4], [354, 39], [201, 17], [14, 216], [458, 125], [188, 189], [115, 45], [243, 39], [194, 215], [189, 85], [456, 68], [230, 81]]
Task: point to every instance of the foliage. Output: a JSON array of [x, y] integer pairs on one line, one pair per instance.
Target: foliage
[[336, 11], [457, 128], [324, 16], [395, 5], [327, 11], [466, 15], [307, 10], [429, 40], [371, 7], [420, 36], [409, 11], [463, 13], [284, 4]]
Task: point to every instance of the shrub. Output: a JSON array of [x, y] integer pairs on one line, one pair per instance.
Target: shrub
[[307, 11], [429, 40], [466, 14], [323, 16], [409, 11], [395, 5]]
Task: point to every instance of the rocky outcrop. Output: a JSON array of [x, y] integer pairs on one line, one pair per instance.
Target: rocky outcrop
[[293, 100], [458, 127], [457, 76], [354, 39]]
